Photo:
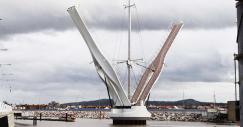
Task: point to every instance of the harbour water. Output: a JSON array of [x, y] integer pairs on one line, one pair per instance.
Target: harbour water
[[108, 123]]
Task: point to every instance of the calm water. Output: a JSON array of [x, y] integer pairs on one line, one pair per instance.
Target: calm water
[[108, 123]]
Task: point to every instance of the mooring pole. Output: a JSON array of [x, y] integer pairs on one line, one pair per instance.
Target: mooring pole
[[239, 6], [66, 117], [40, 116]]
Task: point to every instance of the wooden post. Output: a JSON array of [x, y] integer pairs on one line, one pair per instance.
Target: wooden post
[[34, 121], [66, 117], [100, 114], [40, 116]]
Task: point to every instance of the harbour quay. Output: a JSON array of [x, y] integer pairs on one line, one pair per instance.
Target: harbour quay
[[160, 115]]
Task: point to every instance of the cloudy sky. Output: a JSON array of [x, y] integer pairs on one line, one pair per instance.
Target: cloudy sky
[[50, 61]]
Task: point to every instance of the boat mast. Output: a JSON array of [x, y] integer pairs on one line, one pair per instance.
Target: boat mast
[[129, 66]]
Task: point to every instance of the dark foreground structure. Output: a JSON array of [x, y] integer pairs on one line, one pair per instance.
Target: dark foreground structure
[[239, 6], [6, 120]]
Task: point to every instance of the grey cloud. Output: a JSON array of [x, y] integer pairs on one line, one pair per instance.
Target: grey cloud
[[35, 23], [60, 75], [58, 78], [160, 15], [191, 20], [211, 69]]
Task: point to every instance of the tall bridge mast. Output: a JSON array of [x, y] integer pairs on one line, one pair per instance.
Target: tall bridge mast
[[129, 66]]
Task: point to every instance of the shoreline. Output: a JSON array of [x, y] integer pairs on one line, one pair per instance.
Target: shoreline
[[155, 115]]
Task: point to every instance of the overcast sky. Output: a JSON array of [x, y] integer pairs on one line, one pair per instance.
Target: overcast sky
[[50, 60]]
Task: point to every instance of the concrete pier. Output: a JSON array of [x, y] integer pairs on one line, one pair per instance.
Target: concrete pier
[[166, 115]]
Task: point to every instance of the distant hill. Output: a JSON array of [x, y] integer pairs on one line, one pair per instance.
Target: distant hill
[[181, 102], [106, 102], [102, 102]]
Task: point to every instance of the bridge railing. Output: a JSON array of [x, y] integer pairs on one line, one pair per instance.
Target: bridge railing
[[5, 108]]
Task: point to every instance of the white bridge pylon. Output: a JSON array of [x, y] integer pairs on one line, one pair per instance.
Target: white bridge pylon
[[108, 75], [103, 67], [153, 71]]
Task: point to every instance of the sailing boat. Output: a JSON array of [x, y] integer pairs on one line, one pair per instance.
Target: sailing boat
[[125, 110]]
